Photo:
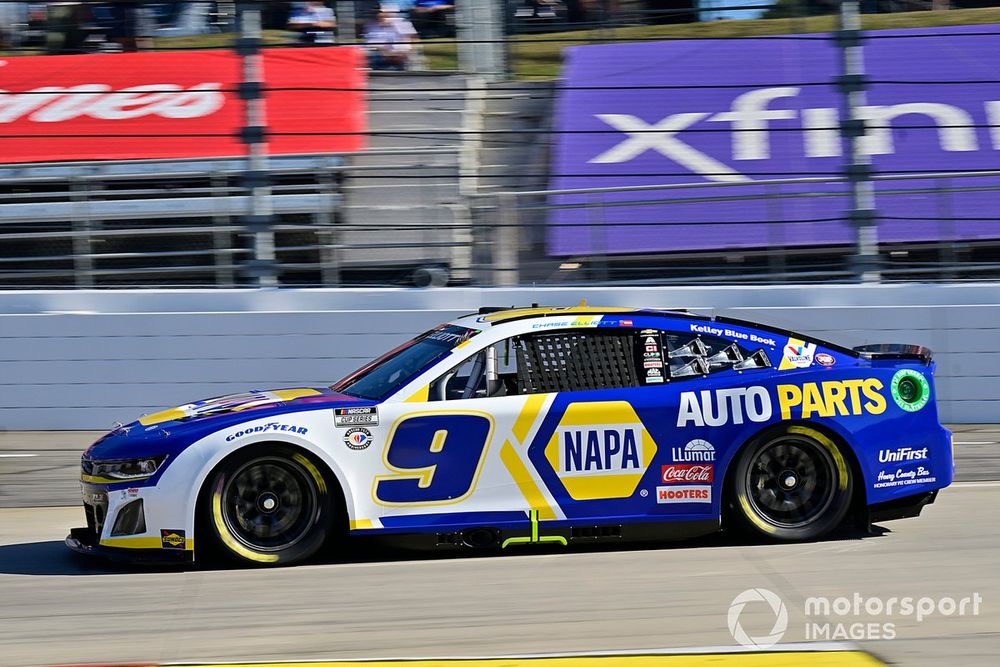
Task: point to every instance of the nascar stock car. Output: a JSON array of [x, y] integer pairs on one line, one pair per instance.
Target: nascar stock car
[[533, 426]]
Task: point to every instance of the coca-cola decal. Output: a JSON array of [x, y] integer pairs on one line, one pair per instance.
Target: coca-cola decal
[[687, 473]]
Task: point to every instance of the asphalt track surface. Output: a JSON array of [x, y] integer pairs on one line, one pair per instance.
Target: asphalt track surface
[[57, 608]]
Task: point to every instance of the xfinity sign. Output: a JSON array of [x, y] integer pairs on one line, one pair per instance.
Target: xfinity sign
[[736, 112], [749, 121]]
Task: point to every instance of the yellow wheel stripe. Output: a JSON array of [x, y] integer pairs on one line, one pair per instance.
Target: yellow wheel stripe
[[838, 458], [229, 540]]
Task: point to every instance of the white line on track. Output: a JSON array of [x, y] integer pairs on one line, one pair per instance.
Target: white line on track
[[975, 442], [973, 485], [16, 456]]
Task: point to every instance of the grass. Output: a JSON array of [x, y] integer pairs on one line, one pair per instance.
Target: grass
[[537, 57], [540, 56]]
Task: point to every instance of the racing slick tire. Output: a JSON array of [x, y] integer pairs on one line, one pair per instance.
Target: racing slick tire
[[267, 505], [792, 484]]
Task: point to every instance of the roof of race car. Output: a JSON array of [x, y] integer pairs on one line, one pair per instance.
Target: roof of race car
[[492, 315], [496, 316]]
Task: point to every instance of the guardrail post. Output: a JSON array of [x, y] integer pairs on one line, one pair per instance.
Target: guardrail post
[[262, 269], [482, 47], [858, 170], [506, 241]]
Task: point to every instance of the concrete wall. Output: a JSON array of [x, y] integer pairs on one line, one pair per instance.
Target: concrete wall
[[84, 359]]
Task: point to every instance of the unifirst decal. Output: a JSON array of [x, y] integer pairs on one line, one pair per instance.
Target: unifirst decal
[[831, 399]]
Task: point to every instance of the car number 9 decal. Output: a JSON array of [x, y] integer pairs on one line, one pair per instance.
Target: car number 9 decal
[[434, 458]]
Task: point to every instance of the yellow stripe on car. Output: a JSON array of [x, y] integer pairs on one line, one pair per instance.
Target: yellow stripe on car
[[141, 543], [543, 312], [420, 396], [289, 394], [532, 493], [164, 416]]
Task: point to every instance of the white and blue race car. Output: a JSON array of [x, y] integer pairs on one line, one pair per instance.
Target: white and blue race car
[[527, 426]]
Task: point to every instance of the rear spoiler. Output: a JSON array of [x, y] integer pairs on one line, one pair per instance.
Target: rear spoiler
[[895, 351]]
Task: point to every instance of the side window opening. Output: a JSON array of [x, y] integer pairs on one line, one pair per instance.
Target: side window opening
[[582, 360], [489, 373], [701, 355]]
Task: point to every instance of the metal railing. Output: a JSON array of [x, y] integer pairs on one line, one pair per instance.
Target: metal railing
[[179, 222], [504, 219]]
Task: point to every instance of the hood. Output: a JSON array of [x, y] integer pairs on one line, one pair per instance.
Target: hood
[[221, 405], [171, 431]]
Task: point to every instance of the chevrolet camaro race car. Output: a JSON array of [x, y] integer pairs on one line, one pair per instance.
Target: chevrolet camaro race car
[[533, 426]]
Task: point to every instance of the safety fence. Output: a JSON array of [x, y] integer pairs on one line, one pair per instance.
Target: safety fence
[[753, 157]]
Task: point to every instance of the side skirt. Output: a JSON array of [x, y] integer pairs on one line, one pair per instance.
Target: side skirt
[[490, 537]]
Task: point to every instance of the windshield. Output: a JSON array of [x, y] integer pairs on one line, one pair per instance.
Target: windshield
[[381, 377]]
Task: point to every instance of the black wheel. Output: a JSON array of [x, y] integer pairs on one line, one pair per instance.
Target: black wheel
[[793, 484], [268, 505]]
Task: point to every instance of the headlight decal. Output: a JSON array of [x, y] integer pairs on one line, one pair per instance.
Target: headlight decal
[[127, 470]]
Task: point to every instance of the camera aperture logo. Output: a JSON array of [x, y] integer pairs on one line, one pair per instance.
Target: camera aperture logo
[[777, 607], [856, 617]]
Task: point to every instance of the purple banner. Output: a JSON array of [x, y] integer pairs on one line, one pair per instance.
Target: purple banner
[[748, 110]]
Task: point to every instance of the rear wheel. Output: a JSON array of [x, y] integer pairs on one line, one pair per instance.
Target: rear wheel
[[268, 505], [793, 484]]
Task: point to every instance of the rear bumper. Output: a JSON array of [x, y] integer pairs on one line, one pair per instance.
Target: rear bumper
[[901, 508], [83, 541]]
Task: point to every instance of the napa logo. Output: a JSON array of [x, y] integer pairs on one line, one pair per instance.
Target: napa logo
[[600, 450], [596, 451]]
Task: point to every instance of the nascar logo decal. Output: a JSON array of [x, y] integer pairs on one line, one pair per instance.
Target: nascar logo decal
[[600, 450]]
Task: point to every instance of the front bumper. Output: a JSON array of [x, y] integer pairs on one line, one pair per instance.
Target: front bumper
[[127, 524], [84, 541]]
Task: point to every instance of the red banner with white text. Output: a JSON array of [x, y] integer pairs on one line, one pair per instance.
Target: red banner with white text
[[176, 104]]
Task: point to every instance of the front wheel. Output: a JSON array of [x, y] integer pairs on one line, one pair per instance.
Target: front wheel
[[792, 485], [268, 505]]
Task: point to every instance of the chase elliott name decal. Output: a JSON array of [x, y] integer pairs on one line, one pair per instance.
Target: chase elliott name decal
[[755, 404]]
